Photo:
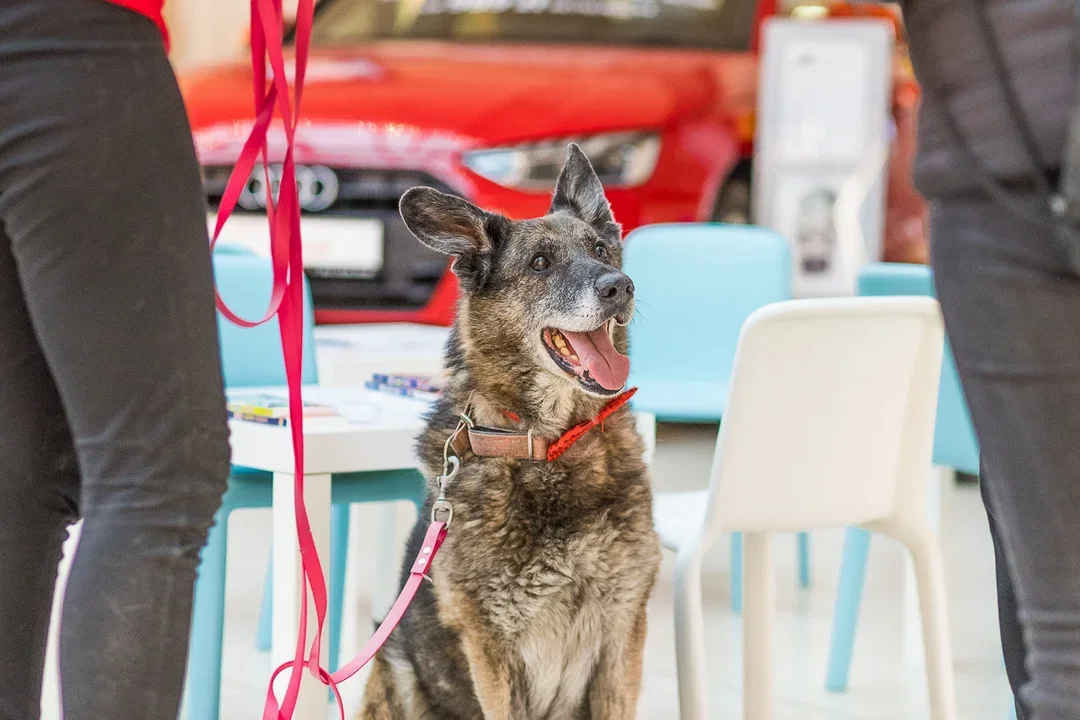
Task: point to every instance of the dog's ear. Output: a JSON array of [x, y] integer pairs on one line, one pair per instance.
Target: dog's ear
[[455, 227], [579, 192]]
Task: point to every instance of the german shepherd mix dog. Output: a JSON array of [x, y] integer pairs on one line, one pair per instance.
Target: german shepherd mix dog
[[537, 606]]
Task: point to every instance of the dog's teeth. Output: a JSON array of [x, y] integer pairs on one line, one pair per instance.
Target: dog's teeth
[[563, 350], [574, 358], [560, 342]]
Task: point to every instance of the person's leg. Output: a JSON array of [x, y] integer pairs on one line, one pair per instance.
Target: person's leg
[[101, 198], [39, 483], [1012, 635], [1011, 302]]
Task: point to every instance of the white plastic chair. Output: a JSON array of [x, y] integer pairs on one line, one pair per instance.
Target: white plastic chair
[[830, 422]]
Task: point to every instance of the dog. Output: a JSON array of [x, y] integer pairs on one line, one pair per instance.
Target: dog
[[536, 609]]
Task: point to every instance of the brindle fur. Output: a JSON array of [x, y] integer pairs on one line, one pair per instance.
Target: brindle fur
[[537, 610]]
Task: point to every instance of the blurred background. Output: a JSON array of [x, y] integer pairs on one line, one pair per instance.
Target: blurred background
[[480, 97]]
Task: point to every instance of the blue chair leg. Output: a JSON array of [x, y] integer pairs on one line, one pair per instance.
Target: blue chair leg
[[265, 631], [208, 625], [804, 559], [736, 573], [339, 548], [846, 612]]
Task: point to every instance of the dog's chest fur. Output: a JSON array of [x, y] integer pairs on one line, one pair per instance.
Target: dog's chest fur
[[544, 553]]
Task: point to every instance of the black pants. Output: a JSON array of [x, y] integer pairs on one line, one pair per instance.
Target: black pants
[[111, 398], [1010, 291]]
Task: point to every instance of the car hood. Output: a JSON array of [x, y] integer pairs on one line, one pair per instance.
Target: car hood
[[474, 96]]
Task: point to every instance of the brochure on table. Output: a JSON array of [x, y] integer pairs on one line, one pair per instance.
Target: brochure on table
[[380, 402]]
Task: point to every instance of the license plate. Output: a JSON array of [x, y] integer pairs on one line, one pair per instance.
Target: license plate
[[333, 247]]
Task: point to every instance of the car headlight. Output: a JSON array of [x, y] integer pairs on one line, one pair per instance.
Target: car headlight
[[620, 159]]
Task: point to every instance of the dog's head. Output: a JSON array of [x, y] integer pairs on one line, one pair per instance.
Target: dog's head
[[541, 298]]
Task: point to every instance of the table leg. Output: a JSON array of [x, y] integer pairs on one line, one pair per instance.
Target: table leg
[[387, 561], [312, 701], [911, 639]]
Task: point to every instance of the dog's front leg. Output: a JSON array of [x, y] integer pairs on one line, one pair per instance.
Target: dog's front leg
[[491, 675], [613, 694]]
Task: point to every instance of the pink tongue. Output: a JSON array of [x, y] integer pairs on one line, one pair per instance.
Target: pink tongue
[[600, 358]]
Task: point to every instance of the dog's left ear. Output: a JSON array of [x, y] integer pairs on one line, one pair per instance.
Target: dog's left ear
[[455, 227], [579, 192]]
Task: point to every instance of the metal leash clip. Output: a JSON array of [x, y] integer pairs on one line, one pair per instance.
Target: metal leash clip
[[442, 506], [442, 511]]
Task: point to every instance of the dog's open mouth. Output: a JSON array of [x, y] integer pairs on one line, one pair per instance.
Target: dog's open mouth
[[590, 356]]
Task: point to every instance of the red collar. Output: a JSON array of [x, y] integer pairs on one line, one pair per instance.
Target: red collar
[[496, 442]]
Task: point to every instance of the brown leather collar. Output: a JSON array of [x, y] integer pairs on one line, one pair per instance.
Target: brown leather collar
[[493, 442]]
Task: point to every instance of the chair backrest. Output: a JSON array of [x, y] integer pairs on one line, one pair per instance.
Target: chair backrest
[[955, 445], [696, 284], [252, 356], [830, 419]]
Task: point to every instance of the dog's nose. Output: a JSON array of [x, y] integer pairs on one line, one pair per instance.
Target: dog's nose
[[614, 286]]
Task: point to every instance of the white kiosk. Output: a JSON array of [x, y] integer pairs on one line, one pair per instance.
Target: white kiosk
[[823, 135]]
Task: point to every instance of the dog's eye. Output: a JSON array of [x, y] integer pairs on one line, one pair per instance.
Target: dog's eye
[[540, 263], [601, 251]]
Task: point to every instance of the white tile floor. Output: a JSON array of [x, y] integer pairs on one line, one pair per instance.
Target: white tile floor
[[882, 687]]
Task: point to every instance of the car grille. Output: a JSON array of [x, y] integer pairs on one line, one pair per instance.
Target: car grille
[[410, 270], [359, 189]]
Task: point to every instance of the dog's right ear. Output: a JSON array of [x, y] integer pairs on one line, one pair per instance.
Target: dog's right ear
[[578, 191], [454, 227]]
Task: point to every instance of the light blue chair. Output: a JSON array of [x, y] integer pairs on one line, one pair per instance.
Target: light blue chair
[[955, 447], [696, 283], [252, 357]]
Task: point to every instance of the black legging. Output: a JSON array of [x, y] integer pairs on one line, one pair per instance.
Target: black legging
[[1010, 293], [111, 399]]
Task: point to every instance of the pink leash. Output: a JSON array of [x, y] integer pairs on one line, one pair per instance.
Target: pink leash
[[287, 301]]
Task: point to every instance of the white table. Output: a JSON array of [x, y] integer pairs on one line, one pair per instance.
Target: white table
[[378, 434]]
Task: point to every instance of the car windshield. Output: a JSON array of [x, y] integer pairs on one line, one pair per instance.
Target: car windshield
[[708, 24]]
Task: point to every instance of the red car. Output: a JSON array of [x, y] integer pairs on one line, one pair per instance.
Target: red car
[[479, 98]]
